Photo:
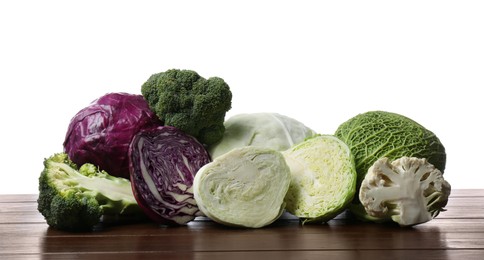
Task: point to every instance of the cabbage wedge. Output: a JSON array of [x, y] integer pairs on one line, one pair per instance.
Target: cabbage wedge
[[244, 187], [323, 178]]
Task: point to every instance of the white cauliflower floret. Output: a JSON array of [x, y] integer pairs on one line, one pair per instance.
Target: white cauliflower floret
[[408, 191]]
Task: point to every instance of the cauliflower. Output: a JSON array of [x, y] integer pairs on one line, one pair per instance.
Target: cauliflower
[[408, 191]]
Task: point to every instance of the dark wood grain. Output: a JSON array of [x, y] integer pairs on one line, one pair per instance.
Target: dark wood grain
[[457, 233]]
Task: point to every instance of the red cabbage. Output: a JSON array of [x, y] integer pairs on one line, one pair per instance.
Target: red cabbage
[[163, 162], [101, 132]]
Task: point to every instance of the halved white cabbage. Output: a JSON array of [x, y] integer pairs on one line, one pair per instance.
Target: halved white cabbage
[[244, 187], [323, 178]]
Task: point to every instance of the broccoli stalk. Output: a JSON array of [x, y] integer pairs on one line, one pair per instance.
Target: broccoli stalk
[[408, 191], [185, 100], [76, 199]]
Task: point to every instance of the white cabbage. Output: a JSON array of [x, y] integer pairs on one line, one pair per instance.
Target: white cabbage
[[269, 130], [244, 187]]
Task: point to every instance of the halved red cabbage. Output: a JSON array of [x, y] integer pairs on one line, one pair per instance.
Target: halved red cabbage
[[163, 163], [101, 132]]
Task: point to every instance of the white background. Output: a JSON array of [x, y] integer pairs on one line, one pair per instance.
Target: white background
[[319, 62]]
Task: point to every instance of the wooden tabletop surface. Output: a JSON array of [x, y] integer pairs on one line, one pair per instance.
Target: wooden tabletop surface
[[457, 233]]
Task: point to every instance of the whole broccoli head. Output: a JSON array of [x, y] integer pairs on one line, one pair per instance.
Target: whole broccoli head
[[75, 199], [185, 100]]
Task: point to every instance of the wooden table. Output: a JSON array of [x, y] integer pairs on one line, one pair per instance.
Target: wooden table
[[457, 233]]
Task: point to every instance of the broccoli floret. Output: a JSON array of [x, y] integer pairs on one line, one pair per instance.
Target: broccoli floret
[[75, 199], [185, 100]]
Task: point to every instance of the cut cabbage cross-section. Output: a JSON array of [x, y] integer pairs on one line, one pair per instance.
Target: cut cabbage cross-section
[[323, 178], [163, 162], [244, 187]]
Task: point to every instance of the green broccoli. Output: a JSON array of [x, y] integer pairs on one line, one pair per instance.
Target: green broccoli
[[75, 199], [185, 100]]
